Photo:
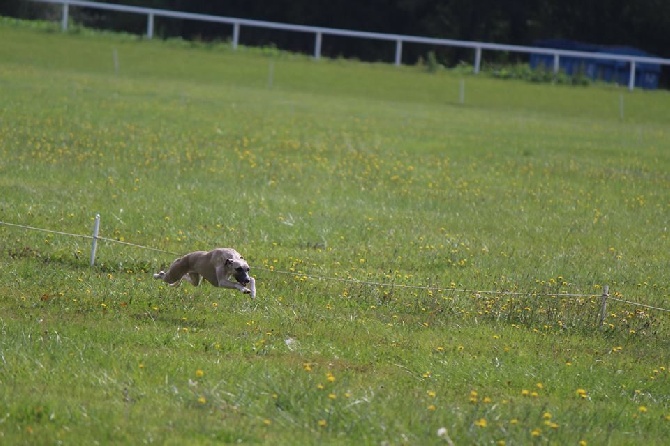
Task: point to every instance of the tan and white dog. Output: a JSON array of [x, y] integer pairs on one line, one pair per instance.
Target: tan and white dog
[[217, 266]]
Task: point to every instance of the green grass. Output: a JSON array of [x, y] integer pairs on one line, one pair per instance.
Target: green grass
[[367, 199]]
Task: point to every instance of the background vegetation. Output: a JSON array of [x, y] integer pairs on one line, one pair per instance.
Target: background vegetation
[[368, 200], [639, 24]]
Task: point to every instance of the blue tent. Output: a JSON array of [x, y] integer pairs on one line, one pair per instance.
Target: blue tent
[[646, 74]]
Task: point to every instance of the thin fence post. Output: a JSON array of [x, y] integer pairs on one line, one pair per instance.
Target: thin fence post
[[603, 305], [631, 79], [96, 231], [398, 52], [478, 59], [236, 34], [317, 46], [65, 18], [150, 26]]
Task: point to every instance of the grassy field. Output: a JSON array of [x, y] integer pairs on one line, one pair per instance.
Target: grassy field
[[428, 271]]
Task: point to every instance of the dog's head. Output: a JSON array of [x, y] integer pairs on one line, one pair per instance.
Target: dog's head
[[240, 270]]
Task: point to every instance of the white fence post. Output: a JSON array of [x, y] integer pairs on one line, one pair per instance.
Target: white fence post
[[631, 79], [398, 52], [65, 17], [478, 59], [317, 46], [96, 231], [557, 64], [236, 34], [150, 26]]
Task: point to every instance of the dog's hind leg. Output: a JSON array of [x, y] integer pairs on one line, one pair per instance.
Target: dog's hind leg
[[193, 278], [175, 272]]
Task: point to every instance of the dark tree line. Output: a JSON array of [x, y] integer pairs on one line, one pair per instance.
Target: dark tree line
[[637, 23]]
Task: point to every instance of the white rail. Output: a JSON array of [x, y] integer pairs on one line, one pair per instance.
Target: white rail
[[319, 32]]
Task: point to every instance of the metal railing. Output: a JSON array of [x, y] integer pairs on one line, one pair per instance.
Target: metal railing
[[319, 32]]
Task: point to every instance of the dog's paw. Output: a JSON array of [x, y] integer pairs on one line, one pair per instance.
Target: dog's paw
[[245, 291]]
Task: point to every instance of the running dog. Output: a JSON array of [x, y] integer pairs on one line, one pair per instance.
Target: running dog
[[218, 267]]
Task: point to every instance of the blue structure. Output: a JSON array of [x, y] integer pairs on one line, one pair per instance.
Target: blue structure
[[646, 74]]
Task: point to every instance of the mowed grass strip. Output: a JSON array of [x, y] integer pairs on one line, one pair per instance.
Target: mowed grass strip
[[346, 172]]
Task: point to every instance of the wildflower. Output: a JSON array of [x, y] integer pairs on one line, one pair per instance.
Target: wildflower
[[330, 377], [267, 422], [332, 396], [582, 443], [582, 393], [431, 393], [642, 409], [432, 407], [525, 392], [442, 432], [307, 367], [322, 423], [199, 373], [536, 432], [481, 422], [202, 400], [540, 386]]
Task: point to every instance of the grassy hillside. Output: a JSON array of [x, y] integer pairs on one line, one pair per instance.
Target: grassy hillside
[[368, 201]]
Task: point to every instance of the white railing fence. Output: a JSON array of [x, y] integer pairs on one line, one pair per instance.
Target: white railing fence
[[319, 32]]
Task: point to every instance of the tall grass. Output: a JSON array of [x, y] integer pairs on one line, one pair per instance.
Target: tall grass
[[367, 200]]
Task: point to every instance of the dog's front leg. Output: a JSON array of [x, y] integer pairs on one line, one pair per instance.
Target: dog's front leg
[[225, 283]]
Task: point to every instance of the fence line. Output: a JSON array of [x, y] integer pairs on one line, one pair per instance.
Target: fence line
[[319, 32], [605, 296]]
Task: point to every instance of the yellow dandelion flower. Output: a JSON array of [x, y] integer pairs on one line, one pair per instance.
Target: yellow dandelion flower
[[431, 393], [536, 432], [199, 373], [332, 396], [642, 409], [323, 423], [432, 407], [481, 422], [267, 422], [525, 392], [513, 421], [582, 393], [546, 416], [330, 377], [202, 400], [539, 386], [582, 443]]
